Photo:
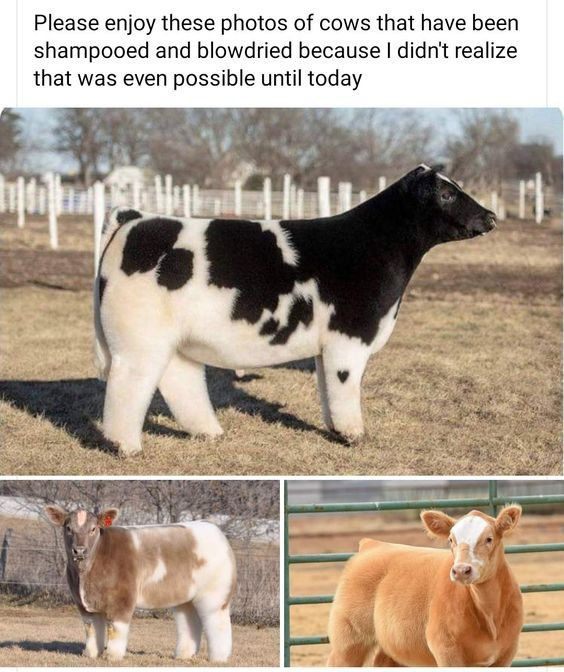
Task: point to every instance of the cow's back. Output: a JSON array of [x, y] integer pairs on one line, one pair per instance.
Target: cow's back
[[178, 563]]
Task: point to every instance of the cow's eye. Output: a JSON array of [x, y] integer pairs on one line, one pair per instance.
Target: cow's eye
[[68, 528], [93, 530], [448, 196], [489, 540]]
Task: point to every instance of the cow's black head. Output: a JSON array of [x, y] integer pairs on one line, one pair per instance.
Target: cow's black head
[[443, 211]]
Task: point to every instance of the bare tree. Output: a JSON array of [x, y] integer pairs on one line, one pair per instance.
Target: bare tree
[[481, 151], [79, 134], [10, 138]]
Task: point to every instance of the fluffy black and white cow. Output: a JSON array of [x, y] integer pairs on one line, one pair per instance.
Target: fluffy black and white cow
[[173, 295]]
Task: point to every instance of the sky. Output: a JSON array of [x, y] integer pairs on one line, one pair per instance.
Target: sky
[[535, 123]]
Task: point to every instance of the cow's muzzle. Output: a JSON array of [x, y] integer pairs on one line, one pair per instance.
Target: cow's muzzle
[[462, 572], [79, 553], [483, 225]]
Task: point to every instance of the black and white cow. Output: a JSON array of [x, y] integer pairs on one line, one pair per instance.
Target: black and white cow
[[173, 295]]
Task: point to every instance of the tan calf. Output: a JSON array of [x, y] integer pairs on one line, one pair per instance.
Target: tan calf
[[407, 605], [189, 567]]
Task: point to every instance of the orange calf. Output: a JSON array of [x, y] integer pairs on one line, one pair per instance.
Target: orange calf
[[406, 605]]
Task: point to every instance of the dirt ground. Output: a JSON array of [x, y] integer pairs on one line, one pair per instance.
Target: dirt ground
[[37, 637], [469, 382], [335, 534]]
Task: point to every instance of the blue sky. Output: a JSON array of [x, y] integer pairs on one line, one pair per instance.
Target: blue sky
[[535, 123]]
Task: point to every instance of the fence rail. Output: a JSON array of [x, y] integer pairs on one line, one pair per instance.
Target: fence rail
[[492, 502], [49, 196]]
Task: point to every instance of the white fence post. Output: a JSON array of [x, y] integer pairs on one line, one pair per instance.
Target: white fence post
[[175, 198], [300, 204], [361, 196], [238, 196], [186, 201], [99, 213], [158, 194], [168, 195], [42, 201], [2, 194], [521, 199], [12, 197], [90, 201], [52, 211], [196, 199], [58, 194], [70, 196], [539, 198], [381, 183], [21, 202], [293, 200], [136, 195], [286, 196], [32, 196], [501, 210], [324, 196], [267, 196], [345, 196]]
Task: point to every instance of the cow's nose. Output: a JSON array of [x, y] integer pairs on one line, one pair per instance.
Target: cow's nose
[[491, 220], [462, 571], [79, 550]]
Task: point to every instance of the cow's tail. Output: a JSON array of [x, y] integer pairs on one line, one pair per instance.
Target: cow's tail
[[103, 357]]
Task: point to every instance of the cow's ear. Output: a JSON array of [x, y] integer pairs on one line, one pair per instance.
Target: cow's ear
[[508, 518], [56, 514], [107, 517], [437, 523]]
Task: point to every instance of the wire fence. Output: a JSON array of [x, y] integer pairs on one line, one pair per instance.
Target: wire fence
[[491, 502]]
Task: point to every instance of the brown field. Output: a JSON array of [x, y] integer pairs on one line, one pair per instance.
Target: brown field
[[469, 382], [32, 636], [336, 534]]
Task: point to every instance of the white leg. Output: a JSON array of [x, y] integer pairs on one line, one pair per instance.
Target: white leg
[[217, 626], [344, 362], [131, 384], [95, 626], [118, 632], [322, 389], [184, 387], [188, 630]]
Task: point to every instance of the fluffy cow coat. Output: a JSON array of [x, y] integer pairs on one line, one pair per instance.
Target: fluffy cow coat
[[173, 295], [111, 570], [405, 605]]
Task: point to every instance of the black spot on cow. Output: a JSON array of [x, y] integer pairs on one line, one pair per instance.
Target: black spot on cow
[[147, 242], [175, 268], [301, 312], [343, 375], [124, 216], [102, 282], [269, 327], [244, 257]]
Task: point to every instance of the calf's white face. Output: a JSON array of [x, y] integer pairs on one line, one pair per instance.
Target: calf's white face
[[475, 540]]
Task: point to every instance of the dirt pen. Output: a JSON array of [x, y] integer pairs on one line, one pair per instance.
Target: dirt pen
[[38, 625], [469, 382], [317, 545]]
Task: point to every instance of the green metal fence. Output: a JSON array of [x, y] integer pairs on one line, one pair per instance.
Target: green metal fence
[[492, 501]]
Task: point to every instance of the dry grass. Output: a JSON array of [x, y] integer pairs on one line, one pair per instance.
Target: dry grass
[[342, 533], [34, 637], [469, 383]]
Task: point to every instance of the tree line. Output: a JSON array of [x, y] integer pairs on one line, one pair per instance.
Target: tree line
[[213, 147]]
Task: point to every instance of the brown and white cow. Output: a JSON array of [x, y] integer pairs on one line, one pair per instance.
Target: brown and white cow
[[407, 605], [111, 570]]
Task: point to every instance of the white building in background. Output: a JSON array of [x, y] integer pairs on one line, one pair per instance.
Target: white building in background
[[123, 178]]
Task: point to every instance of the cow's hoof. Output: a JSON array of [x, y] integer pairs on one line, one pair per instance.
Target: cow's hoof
[[90, 653], [349, 438], [125, 451], [184, 654]]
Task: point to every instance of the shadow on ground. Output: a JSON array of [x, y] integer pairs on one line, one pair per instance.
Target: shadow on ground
[[73, 648], [75, 405]]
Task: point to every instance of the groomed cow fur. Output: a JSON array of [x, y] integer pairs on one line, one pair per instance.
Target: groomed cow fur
[[399, 605], [189, 567], [173, 295]]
